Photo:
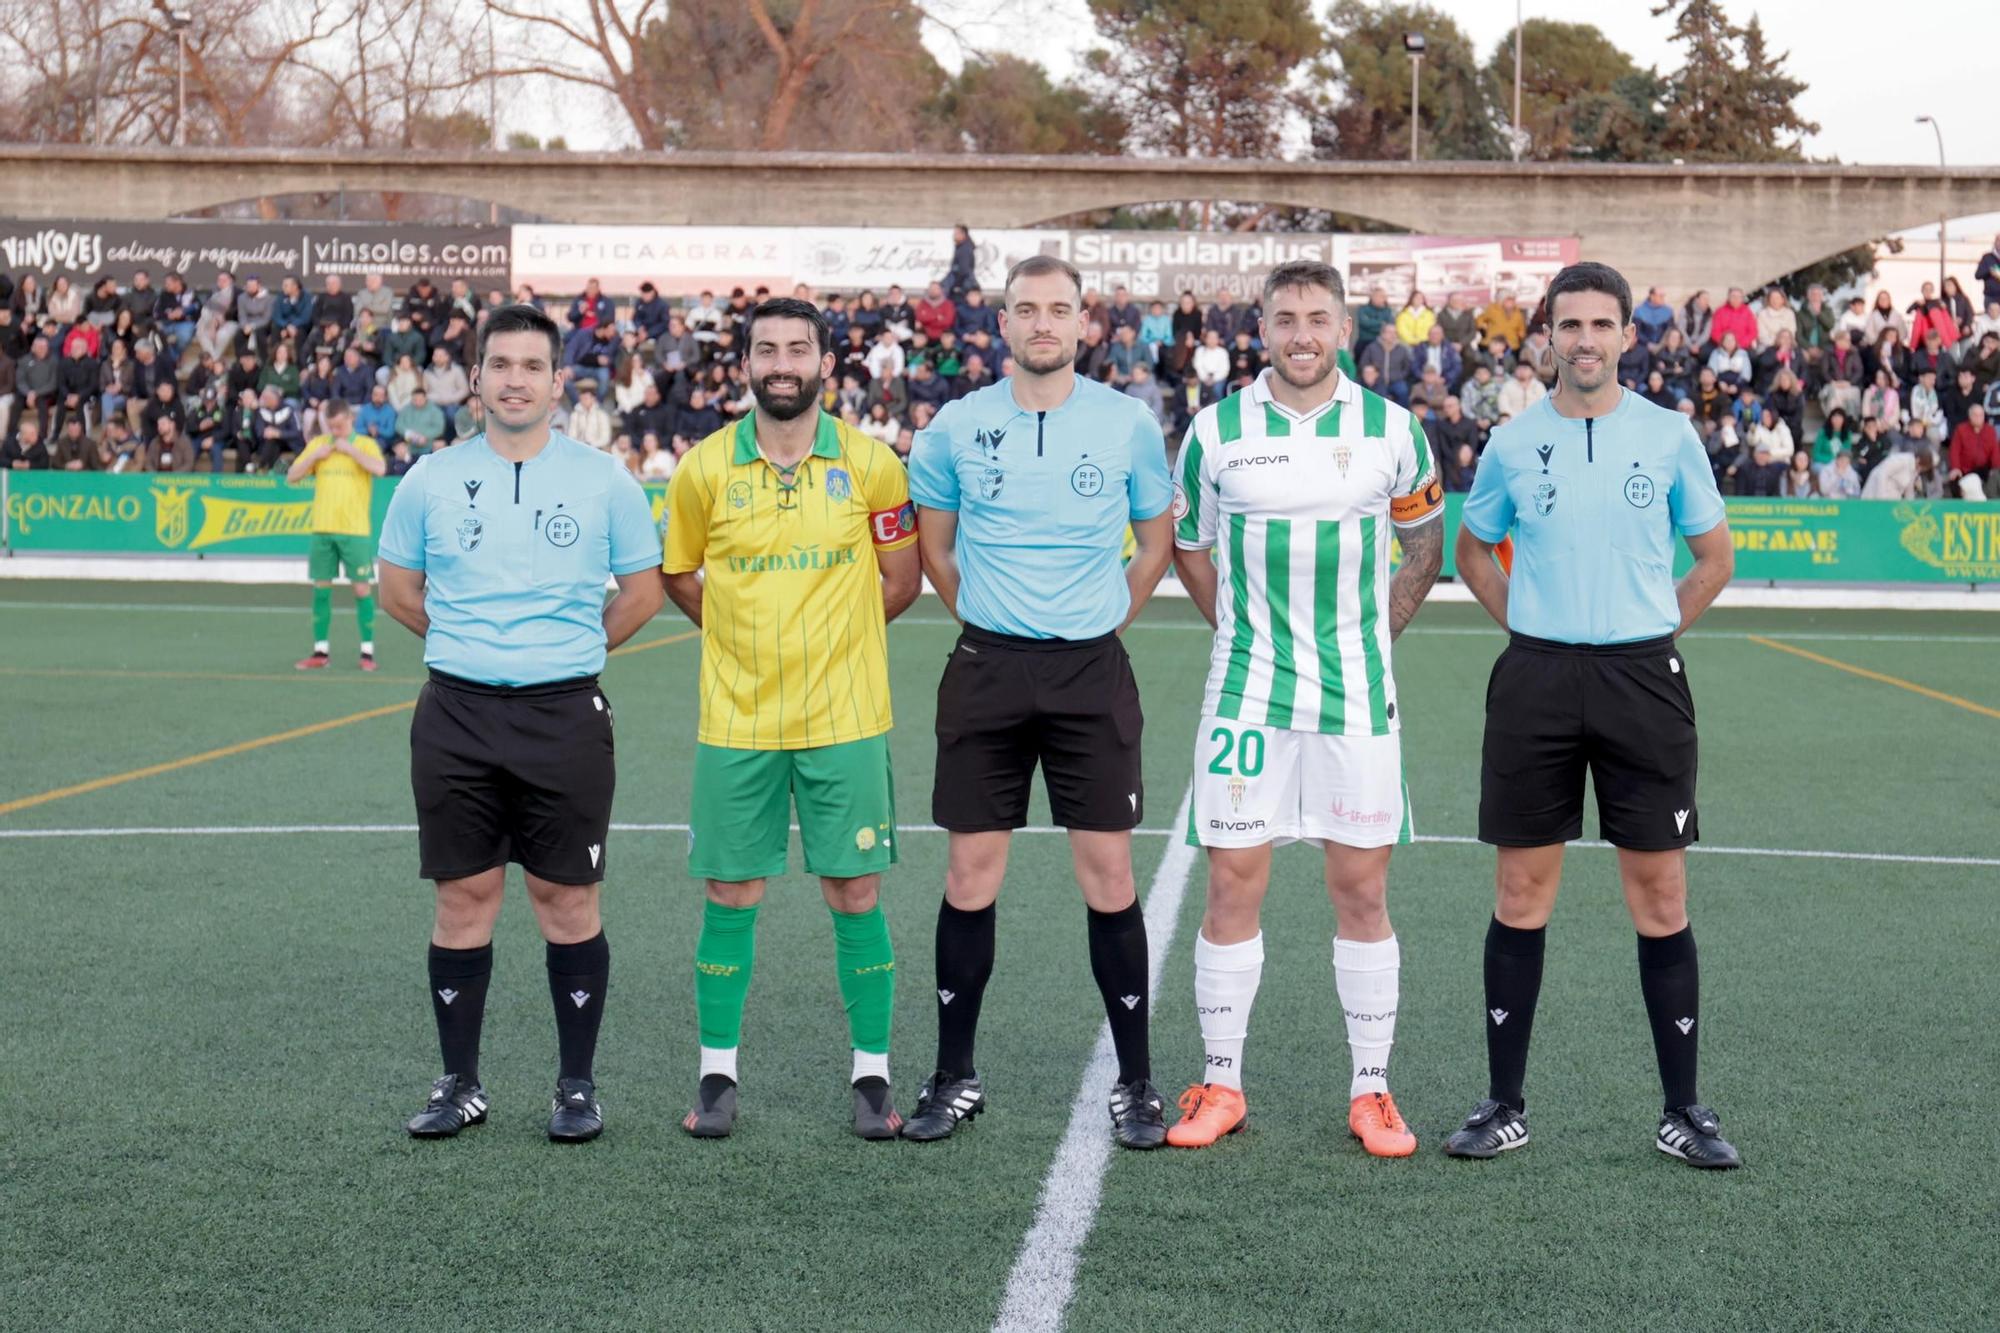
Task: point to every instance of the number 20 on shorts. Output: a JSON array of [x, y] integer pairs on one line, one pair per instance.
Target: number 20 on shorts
[[1247, 747]]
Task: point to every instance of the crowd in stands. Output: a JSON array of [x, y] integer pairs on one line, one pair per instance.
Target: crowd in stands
[[1875, 398]]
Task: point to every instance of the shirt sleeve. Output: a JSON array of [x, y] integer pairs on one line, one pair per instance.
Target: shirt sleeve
[[1195, 495], [933, 476], [1419, 495], [885, 489], [1489, 509], [1694, 502], [402, 540], [635, 540], [690, 500], [1150, 487]]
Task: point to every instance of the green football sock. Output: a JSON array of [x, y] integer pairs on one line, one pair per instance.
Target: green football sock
[[364, 616], [867, 964], [722, 960], [322, 614]]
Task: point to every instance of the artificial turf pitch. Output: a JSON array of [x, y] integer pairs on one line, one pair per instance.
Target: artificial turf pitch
[[209, 1042]]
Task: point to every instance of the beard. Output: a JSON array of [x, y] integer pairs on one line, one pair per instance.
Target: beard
[[786, 404], [1044, 362], [1282, 364]]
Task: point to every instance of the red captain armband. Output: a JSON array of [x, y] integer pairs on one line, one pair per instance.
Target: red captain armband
[[889, 526], [1412, 508]]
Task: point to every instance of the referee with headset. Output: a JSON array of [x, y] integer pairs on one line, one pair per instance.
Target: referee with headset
[[1593, 483], [496, 551]]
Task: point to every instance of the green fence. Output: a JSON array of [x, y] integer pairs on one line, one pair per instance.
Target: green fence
[[1861, 541]]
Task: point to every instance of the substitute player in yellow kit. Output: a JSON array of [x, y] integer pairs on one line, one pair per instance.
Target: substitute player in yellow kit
[[343, 467], [791, 541]]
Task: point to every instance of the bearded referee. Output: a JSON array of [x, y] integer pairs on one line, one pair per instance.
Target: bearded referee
[[497, 552], [1594, 483], [1024, 490]]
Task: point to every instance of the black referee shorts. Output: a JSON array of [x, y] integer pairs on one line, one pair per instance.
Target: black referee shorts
[[1006, 703], [512, 774], [1623, 712]]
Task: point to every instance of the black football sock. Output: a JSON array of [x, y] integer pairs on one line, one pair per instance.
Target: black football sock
[[964, 963], [1670, 979], [1118, 961], [1513, 983], [458, 1001], [578, 974]]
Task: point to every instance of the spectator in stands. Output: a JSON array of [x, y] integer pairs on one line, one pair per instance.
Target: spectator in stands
[[1143, 386], [65, 304], [973, 375], [878, 425], [1789, 401], [354, 379], [71, 450], [1211, 365], [376, 417], [1497, 357], [169, 450], [101, 306], [419, 424], [1843, 371], [1883, 315], [1956, 397], [700, 421], [885, 359], [115, 382], [1735, 317], [1923, 419], [1635, 363], [1871, 446], [1975, 455], [1932, 354], [1451, 427], [1729, 357], [1930, 313], [650, 313], [1838, 480], [1775, 316], [404, 341], [1697, 321], [1123, 312], [1391, 360], [26, 452], [1906, 475], [1437, 353], [1987, 274], [1522, 392], [1799, 482], [1505, 320], [975, 316], [961, 277], [333, 305], [276, 431], [656, 463], [216, 329], [446, 386], [1370, 318], [1982, 357], [1480, 398], [1883, 399], [1772, 435], [375, 301], [1416, 319], [175, 314], [1836, 436], [1187, 322], [1761, 475], [1653, 317], [166, 404], [255, 309], [292, 314], [281, 373], [934, 313], [1817, 319], [1224, 317], [141, 299], [115, 450], [1459, 321], [588, 421], [897, 314], [1429, 391], [1782, 355]]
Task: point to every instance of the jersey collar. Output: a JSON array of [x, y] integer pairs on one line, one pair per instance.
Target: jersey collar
[[1259, 391], [826, 440]]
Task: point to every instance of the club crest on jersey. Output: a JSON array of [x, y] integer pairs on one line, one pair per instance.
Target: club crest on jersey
[[1342, 456], [838, 487], [1237, 786], [470, 530], [739, 495], [1545, 498], [990, 482]]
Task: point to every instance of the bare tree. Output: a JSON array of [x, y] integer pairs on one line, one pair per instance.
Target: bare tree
[[594, 45]]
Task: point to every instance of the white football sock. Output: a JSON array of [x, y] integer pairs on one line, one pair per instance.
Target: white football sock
[[718, 1060], [1365, 975], [1225, 986], [870, 1064]]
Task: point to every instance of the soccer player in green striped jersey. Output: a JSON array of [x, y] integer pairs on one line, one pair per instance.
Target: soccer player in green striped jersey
[[1289, 496]]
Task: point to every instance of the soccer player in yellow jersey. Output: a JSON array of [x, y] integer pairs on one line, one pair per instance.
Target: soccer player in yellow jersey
[[343, 466], [791, 541]]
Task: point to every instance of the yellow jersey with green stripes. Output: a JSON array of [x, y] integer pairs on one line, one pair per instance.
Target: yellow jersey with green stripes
[[1300, 510], [342, 490], [794, 651]]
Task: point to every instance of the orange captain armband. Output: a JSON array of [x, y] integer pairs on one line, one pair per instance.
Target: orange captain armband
[[1414, 508], [889, 526]]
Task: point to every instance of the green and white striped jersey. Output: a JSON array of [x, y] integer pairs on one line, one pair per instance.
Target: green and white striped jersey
[[1298, 510]]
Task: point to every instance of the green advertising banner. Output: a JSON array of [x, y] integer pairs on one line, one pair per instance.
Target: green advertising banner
[[1857, 541]]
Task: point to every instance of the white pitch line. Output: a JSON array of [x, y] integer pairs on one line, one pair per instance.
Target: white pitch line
[[1044, 1273], [256, 830]]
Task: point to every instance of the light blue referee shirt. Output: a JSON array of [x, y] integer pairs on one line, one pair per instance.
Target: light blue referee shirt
[[1042, 501], [1595, 506], [515, 556]]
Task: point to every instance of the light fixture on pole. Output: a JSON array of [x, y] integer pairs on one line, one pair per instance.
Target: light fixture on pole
[[180, 19], [1932, 122], [1413, 42]]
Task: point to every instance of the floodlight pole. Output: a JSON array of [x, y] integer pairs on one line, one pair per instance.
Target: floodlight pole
[[1932, 122], [1517, 80], [1416, 67]]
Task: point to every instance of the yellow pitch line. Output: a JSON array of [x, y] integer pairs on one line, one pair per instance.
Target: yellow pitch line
[[1866, 674], [242, 747]]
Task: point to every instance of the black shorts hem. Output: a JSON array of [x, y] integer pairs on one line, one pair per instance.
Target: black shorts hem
[[1080, 826], [1677, 845], [564, 880], [425, 872], [983, 826], [1522, 842]]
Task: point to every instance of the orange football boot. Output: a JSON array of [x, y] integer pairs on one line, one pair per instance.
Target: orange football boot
[[1373, 1118], [1208, 1111]]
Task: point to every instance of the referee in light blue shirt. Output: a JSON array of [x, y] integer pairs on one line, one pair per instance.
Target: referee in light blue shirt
[[497, 552], [1024, 490], [1595, 484]]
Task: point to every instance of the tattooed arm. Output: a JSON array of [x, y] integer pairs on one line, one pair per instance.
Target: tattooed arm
[[1423, 557]]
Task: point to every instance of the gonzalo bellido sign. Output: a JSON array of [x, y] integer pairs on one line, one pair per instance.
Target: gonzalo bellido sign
[[148, 513]]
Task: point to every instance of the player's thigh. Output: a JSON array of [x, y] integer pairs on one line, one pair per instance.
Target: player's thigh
[[1247, 790], [1532, 758], [562, 760], [985, 739], [847, 808], [459, 784], [1644, 751], [322, 557], [357, 557], [1088, 729], [1356, 795], [739, 826]]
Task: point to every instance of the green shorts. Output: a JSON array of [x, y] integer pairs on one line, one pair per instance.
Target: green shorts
[[741, 824], [327, 553]]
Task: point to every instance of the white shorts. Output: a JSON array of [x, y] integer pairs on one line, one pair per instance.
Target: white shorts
[[1255, 785]]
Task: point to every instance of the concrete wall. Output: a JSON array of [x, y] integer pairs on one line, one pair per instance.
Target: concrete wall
[[1683, 227]]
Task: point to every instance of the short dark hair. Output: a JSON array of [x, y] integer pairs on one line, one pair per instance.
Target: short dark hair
[[336, 408], [790, 307], [1305, 273], [521, 318], [1590, 276], [1035, 266]]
